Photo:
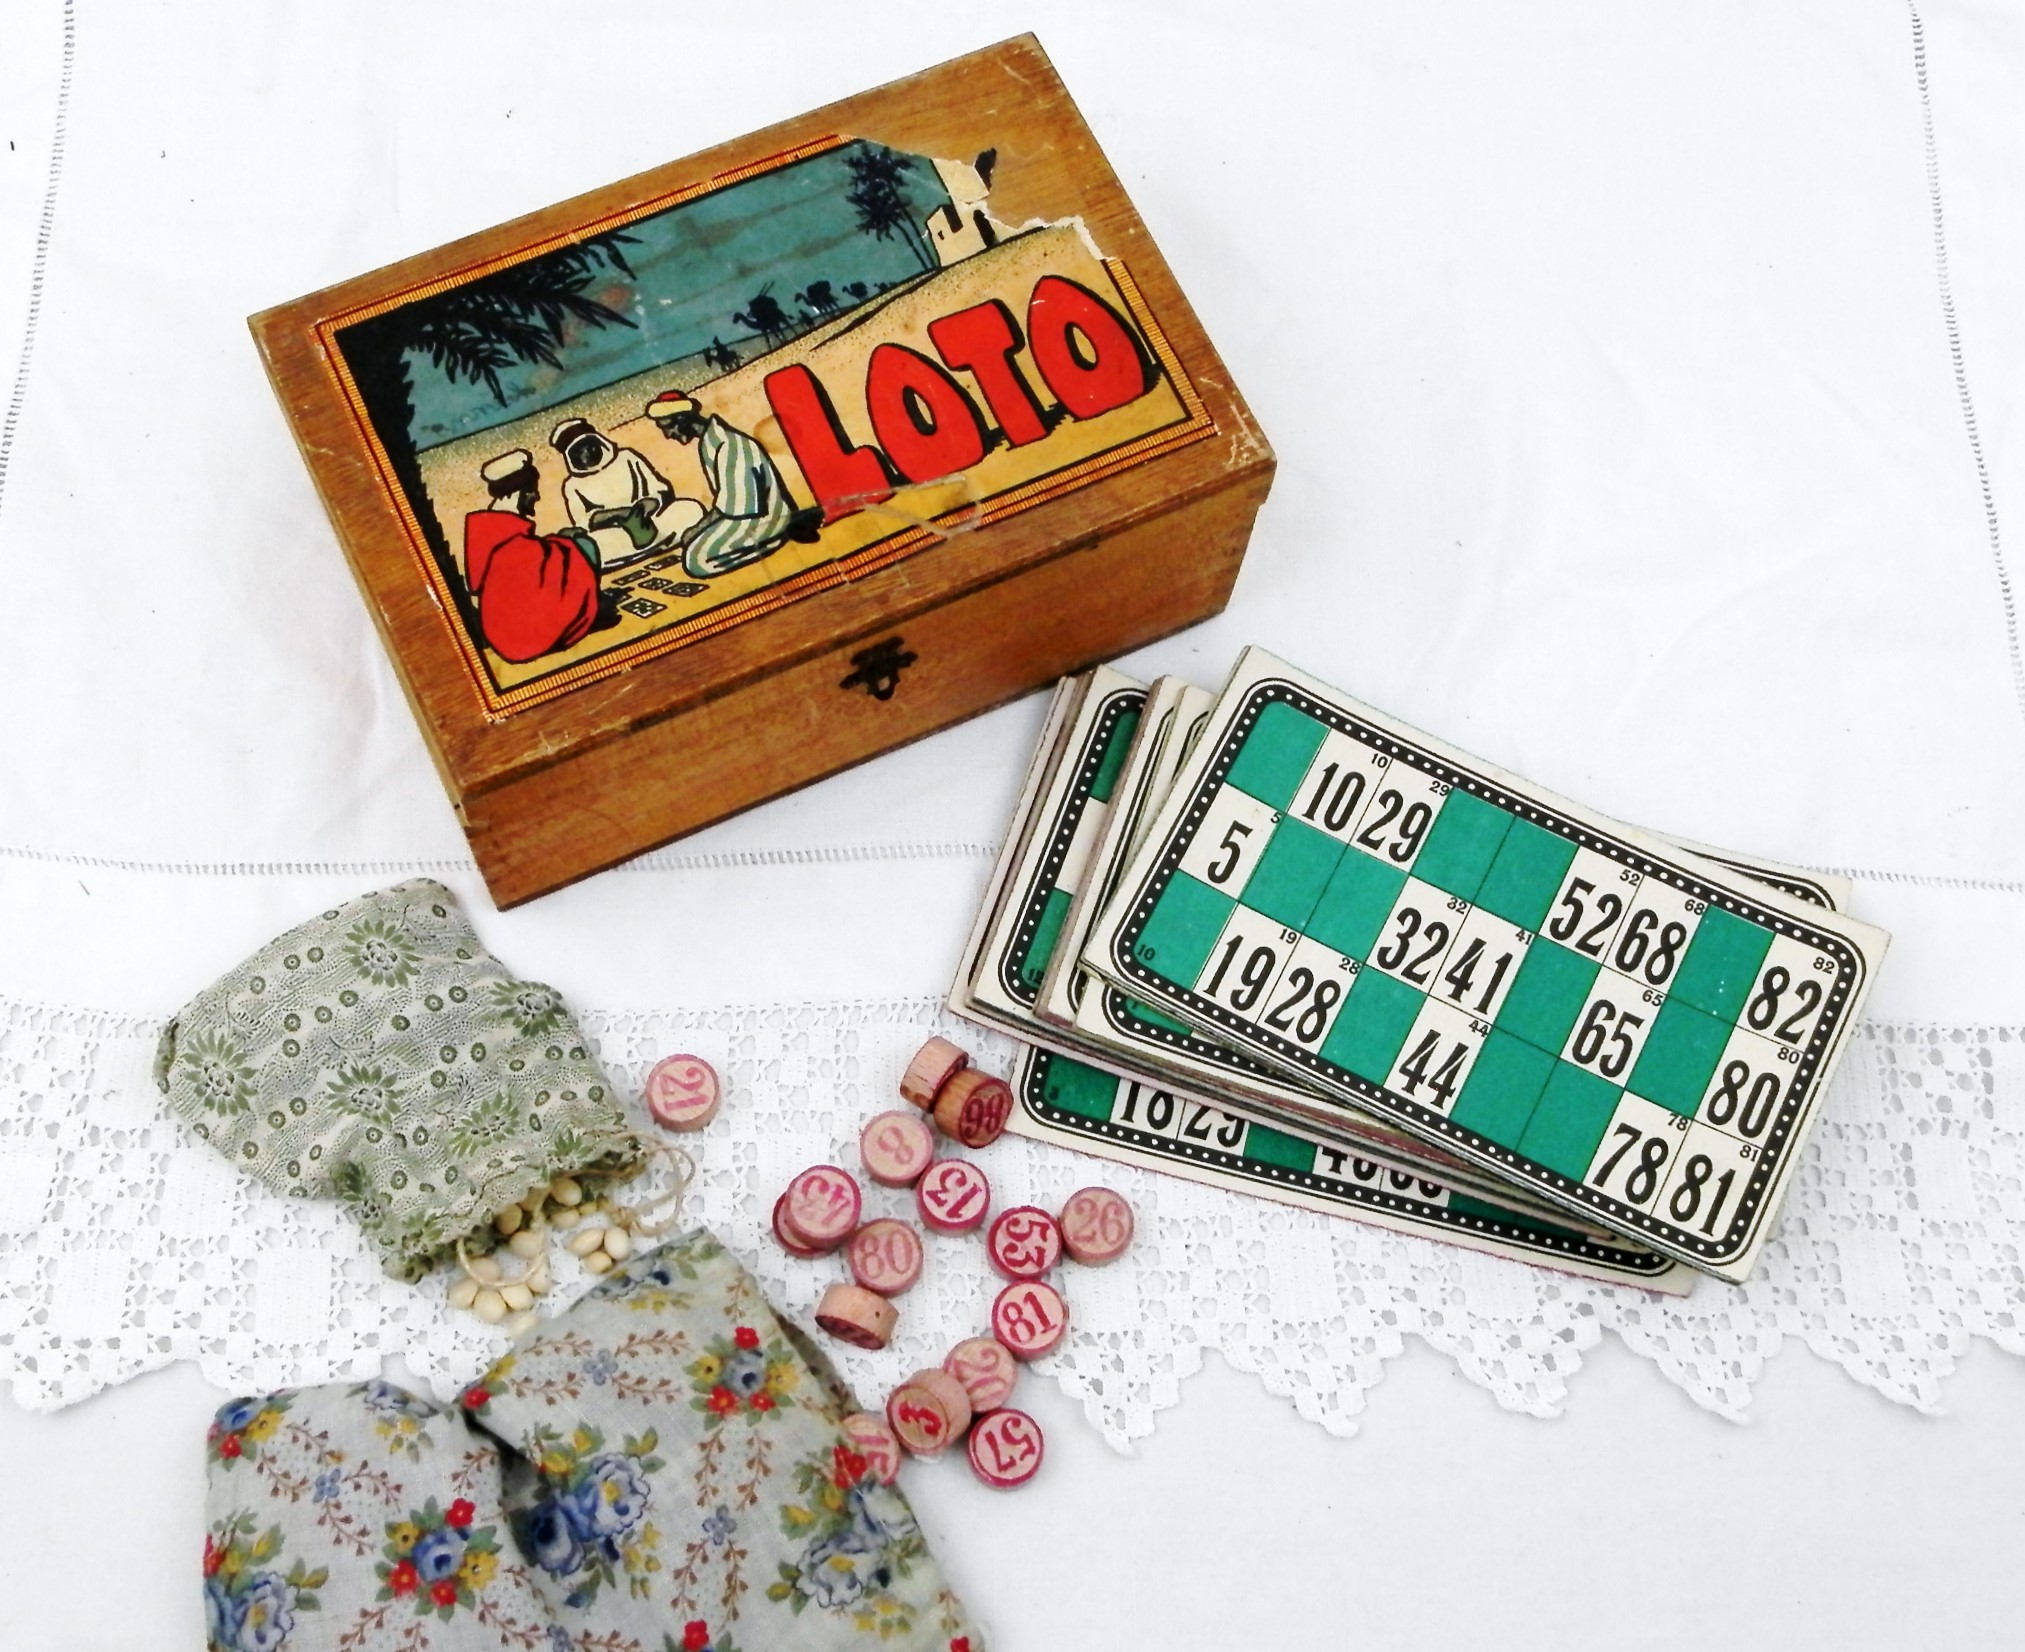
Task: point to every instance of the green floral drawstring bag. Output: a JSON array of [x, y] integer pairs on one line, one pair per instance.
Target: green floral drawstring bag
[[380, 1056], [662, 1467]]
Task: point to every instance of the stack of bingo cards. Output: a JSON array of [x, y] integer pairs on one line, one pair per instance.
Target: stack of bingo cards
[[1275, 940]]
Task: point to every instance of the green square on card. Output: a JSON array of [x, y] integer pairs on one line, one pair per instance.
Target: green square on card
[[1182, 927], [1526, 872], [1504, 1084], [1270, 1146], [1075, 1088], [1291, 875], [1721, 963], [1547, 996], [1461, 844], [1372, 1025], [1113, 759], [1352, 909], [1276, 754], [1573, 1113], [1046, 933], [1680, 1052]]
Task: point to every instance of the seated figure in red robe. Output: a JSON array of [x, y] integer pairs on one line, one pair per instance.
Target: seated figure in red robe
[[535, 592]]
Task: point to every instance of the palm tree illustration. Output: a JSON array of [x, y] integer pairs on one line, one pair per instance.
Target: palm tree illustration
[[878, 195], [473, 333]]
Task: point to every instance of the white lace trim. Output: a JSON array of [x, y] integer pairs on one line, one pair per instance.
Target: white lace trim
[[125, 1245]]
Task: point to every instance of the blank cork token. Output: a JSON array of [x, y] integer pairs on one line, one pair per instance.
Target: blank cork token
[[683, 1092], [1024, 1242], [953, 1196], [786, 1237], [873, 1439], [896, 1147], [823, 1205], [885, 1256], [1029, 1317], [852, 1314], [1006, 1449], [972, 1108], [1096, 1226], [987, 1370], [932, 1066]]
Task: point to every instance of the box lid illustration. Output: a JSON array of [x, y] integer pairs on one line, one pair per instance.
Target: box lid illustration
[[604, 464]]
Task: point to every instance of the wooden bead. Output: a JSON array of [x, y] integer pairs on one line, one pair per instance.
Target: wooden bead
[[520, 1324], [1029, 1317], [463, 1292], [527, 1244], [598, 1262], [855, 1315], [683, 1092], [508, 1220], [489, 1306], [485, 1269], [585, 1241], [873, 1439], [539, 1279], [933, 1065], [823, 1204], [896, 1147], [885, 1256], [1024, 1242], [973, 1108], [953, 1196], [564, 1217], [618, 1243], [928, 1412], [517, 1297], [566, 1191], [987, 1370], [785, 1237], [1096, 1226], [1006, 1449]]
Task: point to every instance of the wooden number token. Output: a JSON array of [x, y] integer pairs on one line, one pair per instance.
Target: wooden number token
[[1024, 1242], [872, 1439], [860, 1317], [683, 1092], [885, 1256], [986, 1369], [788, 1242], [1006, 1449], [929, 1412], [953, 1196], [822, 1208], [973, 1108], [934, 1065], [1029, 1317], [896, 1148], [1096, 1226]]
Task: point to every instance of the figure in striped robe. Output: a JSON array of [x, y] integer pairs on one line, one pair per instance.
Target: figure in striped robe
[[750, 514]]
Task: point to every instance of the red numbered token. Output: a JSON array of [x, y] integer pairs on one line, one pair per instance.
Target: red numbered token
[[683, 1092], [929, 1412], [872, 1440], [973, 1108], [788, 1242], [822, 1207], [1096, 1225], [896, 1148], [860, 1317], [1006, 1449], [934, 1065], [1024, 1242], [953, 1196], [885, 1256], [1029, 1317], [986, 1369]]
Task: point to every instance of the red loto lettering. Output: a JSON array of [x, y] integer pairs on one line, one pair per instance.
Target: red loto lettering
[[927, 425], [843, 478], [1090, 358], [983, 340]]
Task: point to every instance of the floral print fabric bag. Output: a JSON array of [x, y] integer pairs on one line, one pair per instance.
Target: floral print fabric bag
[[379, 1055], [659, 1469]]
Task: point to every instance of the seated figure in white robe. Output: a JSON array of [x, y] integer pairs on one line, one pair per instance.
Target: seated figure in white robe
[[627, 506]]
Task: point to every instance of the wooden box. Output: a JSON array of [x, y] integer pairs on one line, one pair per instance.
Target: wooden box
[[701, 486]]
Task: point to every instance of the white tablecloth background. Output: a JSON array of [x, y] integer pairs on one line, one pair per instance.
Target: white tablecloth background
[[1649, 388]]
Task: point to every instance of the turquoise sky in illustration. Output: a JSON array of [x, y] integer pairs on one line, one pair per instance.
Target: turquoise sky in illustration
[[694, 266]]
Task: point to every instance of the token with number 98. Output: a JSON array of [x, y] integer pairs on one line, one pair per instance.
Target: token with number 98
[[1024, 1242], [896, 1147], [973, 1108], [1096, 1226], [1029, 1317], [953, 1196], [1006, 1449], [822, 1206]]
